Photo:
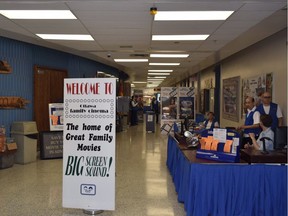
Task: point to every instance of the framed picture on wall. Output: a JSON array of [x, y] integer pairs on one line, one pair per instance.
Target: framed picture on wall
[[254, 87], [230, 100]]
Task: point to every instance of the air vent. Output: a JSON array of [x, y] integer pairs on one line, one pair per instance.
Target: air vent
[[139, 55]]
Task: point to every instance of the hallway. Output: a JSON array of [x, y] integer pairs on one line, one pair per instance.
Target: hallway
[[143, 183]]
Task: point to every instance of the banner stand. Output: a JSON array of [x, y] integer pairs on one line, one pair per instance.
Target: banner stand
[[92, 212]]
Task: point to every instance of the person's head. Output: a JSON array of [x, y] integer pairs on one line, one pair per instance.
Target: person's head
[[266, 98], [265, 120], [249, 103], [210, 115]]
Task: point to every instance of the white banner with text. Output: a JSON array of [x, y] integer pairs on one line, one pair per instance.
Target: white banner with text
[[89, 143]]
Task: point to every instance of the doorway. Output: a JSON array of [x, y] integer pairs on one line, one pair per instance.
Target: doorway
[[48, 88]]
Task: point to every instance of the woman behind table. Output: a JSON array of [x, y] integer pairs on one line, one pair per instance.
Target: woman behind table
[[211, 123]]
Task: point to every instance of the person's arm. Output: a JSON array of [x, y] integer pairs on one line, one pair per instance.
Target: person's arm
[[254, 141], [248, 126], [256, 120], [279, 116]]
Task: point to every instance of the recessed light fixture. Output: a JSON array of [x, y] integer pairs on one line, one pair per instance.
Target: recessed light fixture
[[179, 37], [139, 82], [38, 14], [131, 60], [191, 15], [157, 77], [159, 74], [65, 37], [162, 64], [169, 55], [167, 71]]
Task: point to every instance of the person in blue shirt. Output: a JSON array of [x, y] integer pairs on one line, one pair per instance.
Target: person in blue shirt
[[252, 121], [273, 109], [211, 123], [267, 132]]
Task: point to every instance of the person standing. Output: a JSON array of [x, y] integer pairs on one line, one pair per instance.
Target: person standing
[[134, 109], [273, 109], [252, 121], [155, 108]]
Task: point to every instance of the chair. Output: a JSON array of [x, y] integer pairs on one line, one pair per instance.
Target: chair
[[280, 138]]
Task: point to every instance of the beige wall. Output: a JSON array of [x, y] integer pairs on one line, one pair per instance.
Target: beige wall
[[269, 55]]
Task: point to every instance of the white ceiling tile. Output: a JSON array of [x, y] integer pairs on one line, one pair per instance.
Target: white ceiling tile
[[128, 24]]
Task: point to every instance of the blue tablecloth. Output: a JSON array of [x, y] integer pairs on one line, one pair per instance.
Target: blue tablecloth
[[227, 189]]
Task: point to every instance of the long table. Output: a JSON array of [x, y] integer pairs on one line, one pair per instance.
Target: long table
[[221, 189]]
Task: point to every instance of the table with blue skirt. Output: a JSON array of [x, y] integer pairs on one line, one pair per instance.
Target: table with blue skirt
[[226, 189]]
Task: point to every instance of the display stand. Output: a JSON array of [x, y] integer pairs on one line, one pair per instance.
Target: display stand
[[92, 212], [228, 151]]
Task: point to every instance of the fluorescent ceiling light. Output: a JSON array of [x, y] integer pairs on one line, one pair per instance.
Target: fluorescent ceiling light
[[131, 60], [138, 82], [151, 85], [38, 14], [169, 55], [65, 37], [159, 74], [179, 37], [157, 77], [168, 64], [167, 71], [191, 15]]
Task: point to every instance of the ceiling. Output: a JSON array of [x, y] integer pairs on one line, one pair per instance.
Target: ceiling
[[123, 29]]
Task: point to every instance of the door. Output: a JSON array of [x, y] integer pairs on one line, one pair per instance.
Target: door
[[48, 88]]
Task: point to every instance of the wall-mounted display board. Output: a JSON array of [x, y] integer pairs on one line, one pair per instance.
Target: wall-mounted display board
[[51, 144], [231, 98]]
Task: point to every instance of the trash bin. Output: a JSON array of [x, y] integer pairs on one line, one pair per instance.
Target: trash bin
[[25, 134], [150, 121]]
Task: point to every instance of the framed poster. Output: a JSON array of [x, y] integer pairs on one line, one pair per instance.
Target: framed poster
[[231, 93], [56, 116], [254, 87]]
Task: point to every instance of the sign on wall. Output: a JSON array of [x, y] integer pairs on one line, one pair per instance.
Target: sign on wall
[[231, 98], [56, 116], [89, 143]]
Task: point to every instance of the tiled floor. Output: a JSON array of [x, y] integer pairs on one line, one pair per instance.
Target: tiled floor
[[143, 183]]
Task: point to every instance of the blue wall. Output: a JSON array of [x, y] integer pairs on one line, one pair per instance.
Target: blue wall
[[22, 57]]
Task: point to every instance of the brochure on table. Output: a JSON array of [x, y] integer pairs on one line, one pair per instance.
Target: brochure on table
[[89, 143], [222, 145]]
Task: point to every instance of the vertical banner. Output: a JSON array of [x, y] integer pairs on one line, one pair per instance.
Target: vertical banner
[[186, 102], [169, 108], [89, 143]]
